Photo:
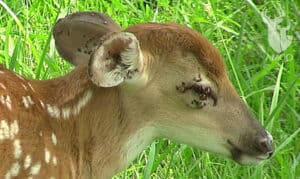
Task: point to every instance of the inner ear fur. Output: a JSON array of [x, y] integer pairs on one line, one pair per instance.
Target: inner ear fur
[[118, 59], [78, 34]]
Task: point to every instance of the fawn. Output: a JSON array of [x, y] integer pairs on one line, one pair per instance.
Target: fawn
[[128, 88]]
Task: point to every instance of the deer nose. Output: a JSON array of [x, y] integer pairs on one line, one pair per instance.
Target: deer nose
[[265, 145]]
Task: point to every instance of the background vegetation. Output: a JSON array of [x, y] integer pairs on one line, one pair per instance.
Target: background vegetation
[[267, 80]]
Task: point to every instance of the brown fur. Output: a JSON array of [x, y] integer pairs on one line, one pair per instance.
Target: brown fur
[[165, 39]]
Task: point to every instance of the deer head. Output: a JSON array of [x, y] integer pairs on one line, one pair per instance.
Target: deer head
[[180, 84], [128, 87]]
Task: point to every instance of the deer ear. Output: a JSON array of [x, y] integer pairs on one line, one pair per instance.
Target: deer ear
[[78, 34], [117, 60]]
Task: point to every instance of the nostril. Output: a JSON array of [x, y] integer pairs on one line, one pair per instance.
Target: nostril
[[270, 153], [265, 145]]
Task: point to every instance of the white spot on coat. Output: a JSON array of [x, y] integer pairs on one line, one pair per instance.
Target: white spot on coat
[[27, 101], [53, 111], [17, 149], [5, 130], [29, 84], [2, 99], [14, 129], [2, 86], [30, 100], [1, 72], [5, 100], [27, 162], [82, 102], [13, 171], [54, 161], [47, 155], [25, 87], [8, 102], [66, 112], [20, 77], [1, 134], [54, 139], [42, 104], [35, 169]]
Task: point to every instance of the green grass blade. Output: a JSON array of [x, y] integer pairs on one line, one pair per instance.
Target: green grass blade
[[151, 157], [14, 57], [287, 141], [280, 103], [276, 90]]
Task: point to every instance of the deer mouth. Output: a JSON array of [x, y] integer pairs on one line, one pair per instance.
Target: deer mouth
[[245, 158]]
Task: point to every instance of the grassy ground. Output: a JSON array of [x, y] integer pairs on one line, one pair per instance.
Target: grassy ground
[[268, 81]]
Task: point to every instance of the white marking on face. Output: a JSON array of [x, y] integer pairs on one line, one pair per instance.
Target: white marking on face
[[27, 162], [53, 111], [17, 149], [13, 171], [29, 84], [47, 155], [54, 139], [54, 161], [82, 102], [25, 87], [35, 169], [2, 86]]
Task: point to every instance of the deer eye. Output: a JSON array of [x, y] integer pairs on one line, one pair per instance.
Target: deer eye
[[202, 94]]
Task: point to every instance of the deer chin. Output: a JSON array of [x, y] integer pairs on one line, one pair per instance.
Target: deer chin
[[244, 158]]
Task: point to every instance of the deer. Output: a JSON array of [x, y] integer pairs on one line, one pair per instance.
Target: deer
[[128, 88]]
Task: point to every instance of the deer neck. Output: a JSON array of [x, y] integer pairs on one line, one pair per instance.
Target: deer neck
[[102, 128]]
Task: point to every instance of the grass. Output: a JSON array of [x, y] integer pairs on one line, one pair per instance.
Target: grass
[[268, 81]]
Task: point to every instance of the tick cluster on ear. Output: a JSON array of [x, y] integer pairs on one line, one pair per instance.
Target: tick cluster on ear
[[203, 92]]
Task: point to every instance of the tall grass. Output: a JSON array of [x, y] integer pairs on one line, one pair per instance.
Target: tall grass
[[268, 81]]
